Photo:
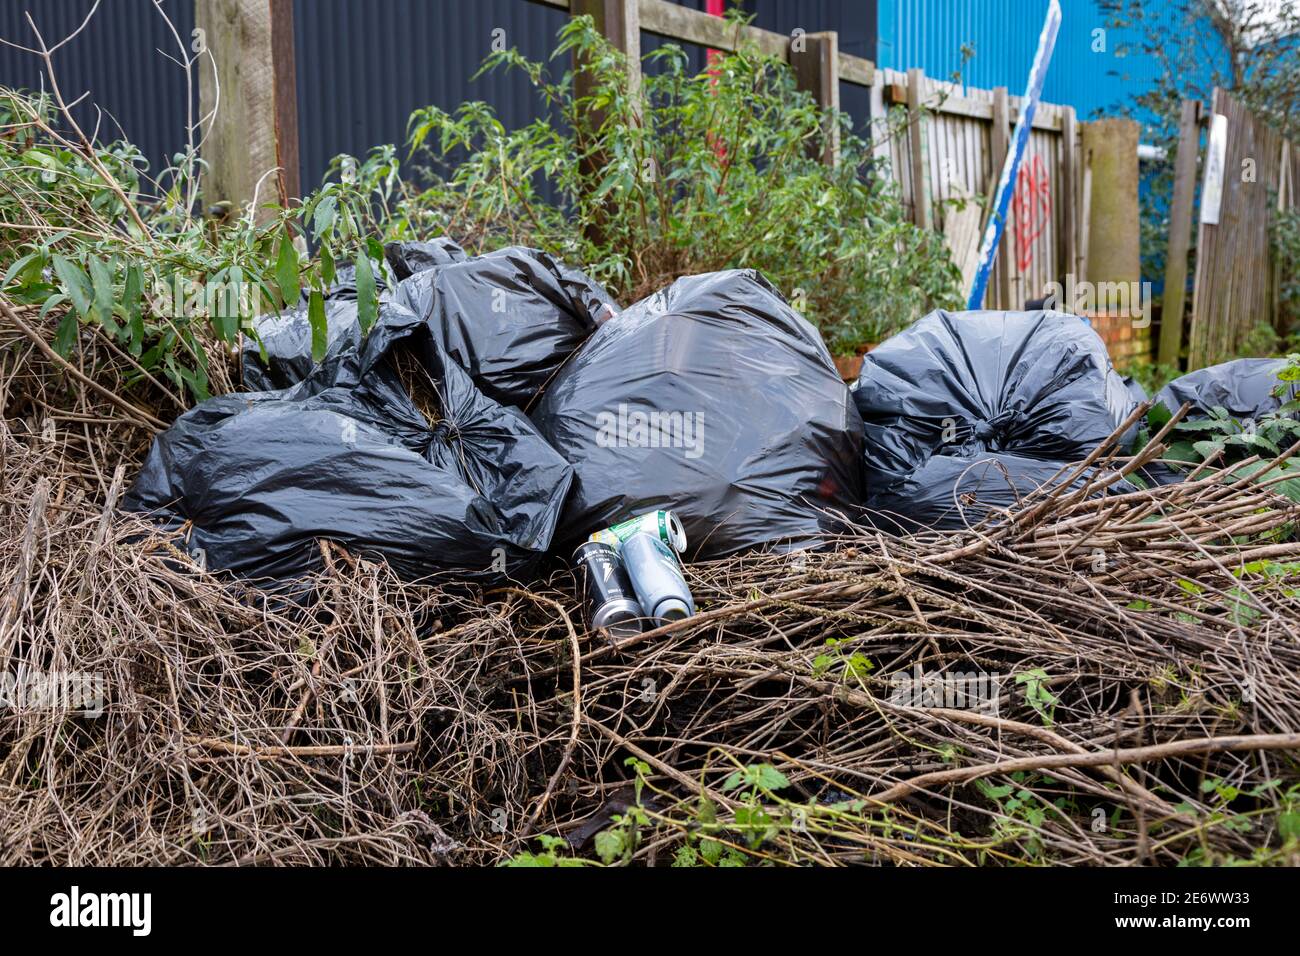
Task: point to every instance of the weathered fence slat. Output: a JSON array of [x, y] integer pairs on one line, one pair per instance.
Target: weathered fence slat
[[1236, 283], [813, 60], [1180, 233]]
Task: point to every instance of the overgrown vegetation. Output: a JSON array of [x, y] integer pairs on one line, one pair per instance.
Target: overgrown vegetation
[[701, 172], [89, 237], [1286, 249]]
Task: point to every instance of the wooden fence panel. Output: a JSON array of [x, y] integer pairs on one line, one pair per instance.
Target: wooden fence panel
[[1235, 279], [961, 163]]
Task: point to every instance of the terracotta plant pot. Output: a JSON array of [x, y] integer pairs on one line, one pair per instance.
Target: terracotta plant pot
[[850, 366]]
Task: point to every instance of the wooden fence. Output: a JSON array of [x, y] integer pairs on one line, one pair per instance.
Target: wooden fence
[[1250, 173], [953, 144], [956, 142], [818, 64]]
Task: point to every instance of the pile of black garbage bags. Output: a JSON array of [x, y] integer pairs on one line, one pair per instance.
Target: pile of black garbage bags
[[965, 413], [503, 407]]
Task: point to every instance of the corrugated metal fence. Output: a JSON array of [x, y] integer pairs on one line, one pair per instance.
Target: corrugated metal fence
[[1092, 71], [140, 92], [362, 67]]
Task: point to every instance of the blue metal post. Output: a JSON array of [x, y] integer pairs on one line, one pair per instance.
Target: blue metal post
[[1011, 167]]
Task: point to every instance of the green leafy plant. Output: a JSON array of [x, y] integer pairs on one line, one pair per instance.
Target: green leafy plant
[[87, 238], [1037, 695], [853, 666], [699, 172], [553, 853], [1221, 432], [1286, 252], [1152, 376], [1222, 439], [1022, 813]]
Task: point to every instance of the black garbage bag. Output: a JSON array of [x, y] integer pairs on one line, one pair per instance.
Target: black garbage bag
[[948, 492], [510, 318], [1021, 392], [286, 337], [348, 455], [344, 286], [713, 398], [401, 261], [1248, 390], [1136, 390], [408, 258], [1245, 388]]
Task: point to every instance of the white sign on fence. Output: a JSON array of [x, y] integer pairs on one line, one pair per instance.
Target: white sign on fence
[[1215, 156]]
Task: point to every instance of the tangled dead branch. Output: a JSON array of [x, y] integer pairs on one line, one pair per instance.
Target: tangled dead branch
[[1141, 651]]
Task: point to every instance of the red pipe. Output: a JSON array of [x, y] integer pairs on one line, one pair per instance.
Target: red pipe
[[715, 8]]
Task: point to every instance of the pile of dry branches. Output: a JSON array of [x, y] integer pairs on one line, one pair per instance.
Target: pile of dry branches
[[1142, 649]]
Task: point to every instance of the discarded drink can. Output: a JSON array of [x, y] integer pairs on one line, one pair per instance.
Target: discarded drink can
[[657, 578], [662, 524], [611, 601]]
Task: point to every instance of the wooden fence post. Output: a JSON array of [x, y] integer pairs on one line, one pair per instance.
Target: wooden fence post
[[255, 130], [1180, 234], [1284, 202], [1001, 143], [285, 66], [619, 22], [918, 148], [815, 58], [1114, 260], [1068, 191]]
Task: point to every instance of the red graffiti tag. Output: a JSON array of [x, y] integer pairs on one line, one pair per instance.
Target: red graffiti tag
[[1031, 208]]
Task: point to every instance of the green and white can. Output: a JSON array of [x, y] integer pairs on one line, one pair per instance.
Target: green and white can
[[663, 525]]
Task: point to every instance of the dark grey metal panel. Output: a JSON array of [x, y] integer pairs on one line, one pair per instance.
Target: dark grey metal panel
[[853, 20], [116, 58], [364, 67], [696, 56]]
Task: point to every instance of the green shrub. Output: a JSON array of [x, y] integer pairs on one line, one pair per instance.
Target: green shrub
[[701, 172], [89, 242]]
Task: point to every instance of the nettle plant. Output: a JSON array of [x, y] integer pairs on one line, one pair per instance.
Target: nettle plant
[[91, 242], [701, 171]]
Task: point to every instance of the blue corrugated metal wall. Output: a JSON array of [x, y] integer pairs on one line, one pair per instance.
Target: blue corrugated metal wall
[[116, 58], [930, 33]]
